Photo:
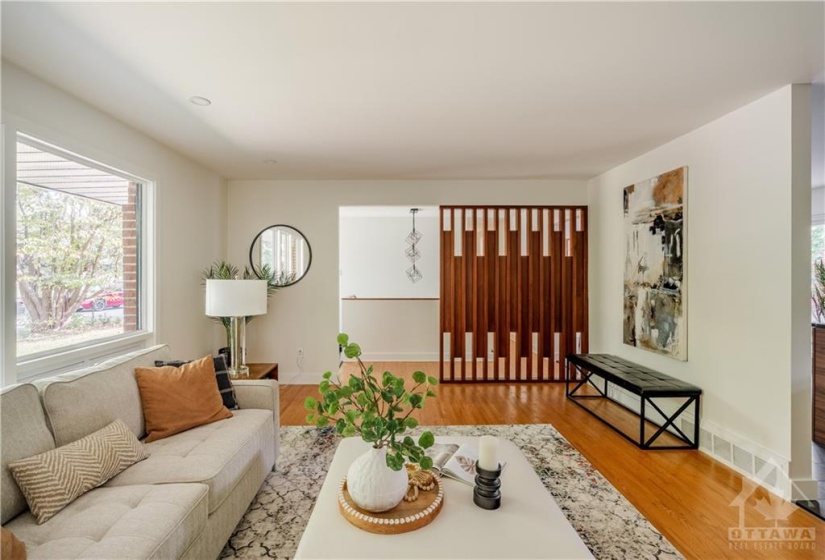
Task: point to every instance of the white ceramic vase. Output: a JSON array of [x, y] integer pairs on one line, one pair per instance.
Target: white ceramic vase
[[372, 484]]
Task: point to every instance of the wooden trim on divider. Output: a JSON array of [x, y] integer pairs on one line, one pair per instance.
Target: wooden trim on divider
[[516, 295]]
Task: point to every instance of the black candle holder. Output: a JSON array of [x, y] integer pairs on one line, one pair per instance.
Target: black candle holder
[[486, 494]]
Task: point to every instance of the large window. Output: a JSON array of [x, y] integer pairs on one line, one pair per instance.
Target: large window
[[78, 251]]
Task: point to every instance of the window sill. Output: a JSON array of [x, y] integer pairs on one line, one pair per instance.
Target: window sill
[[29, 369]]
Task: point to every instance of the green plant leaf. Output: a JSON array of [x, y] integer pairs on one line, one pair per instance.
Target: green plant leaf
[[348, 431], [387, 396], [419, 376], [333, 408], [426, 440], [340, 425], [322, 421], [411, 423], [408, 440], [431, 393], [416, 400], [310, 418], [426, 462], [432, 381], [310, 403], [343, 339], [352, 350], [323, 387], [395, 461], [327, 375], [398, 389]]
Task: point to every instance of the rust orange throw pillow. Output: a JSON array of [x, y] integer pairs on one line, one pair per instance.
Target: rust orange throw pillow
[[12, 549], [176, 399]]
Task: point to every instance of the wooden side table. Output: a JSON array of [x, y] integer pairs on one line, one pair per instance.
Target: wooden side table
[[261, 371]]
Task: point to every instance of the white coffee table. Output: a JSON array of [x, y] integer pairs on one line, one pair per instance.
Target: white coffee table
[[529, 523]]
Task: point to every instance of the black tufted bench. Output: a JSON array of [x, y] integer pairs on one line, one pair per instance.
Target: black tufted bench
[[648, 384]]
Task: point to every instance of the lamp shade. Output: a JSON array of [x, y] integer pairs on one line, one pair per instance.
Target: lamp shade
[[235, 298]]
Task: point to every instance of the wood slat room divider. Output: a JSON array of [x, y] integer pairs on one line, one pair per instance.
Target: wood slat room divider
[[513, 291]]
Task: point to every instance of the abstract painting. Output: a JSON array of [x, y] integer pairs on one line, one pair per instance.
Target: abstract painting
[[654, 268]]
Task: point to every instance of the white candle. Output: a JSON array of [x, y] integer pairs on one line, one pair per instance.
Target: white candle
[[488, 453]]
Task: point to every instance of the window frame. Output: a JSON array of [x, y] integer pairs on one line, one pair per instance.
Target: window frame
[[51, 362]]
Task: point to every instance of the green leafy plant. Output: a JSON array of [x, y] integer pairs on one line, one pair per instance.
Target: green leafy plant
[[818, 289], [380, 411]]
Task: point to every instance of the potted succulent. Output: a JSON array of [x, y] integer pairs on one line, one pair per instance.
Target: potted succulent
[[380, 411]]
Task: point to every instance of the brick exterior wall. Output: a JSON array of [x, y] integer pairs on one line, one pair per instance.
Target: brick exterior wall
[[130, 261]]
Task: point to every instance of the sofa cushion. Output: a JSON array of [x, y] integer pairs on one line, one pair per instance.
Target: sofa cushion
[[176, 399], [82, 402], [222, 378], [216, 454], [54, 479], [25, 433], [130, 522]]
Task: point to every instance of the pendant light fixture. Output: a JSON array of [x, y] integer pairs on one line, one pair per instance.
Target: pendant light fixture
[[412, 252]]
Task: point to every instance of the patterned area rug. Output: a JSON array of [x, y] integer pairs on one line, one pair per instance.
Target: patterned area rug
[[607, 523]]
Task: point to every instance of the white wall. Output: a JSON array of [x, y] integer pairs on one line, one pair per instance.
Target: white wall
[[373, 263], [393, 329], [191, 200], [306, 314], [743, 255]]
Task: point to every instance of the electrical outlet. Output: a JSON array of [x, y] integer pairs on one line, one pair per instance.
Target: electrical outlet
[[300, 352]]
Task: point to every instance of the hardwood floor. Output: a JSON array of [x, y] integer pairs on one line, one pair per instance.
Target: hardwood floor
[[685, 494]]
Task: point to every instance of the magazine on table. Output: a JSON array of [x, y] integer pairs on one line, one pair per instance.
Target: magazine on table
[[455, 461]]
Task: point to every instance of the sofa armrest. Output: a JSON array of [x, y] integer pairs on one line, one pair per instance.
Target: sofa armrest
[[258, 393]]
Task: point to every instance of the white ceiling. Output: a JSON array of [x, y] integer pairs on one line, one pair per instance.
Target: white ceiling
[[416, 90]]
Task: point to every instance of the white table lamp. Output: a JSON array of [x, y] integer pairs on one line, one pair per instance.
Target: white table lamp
[[237, 299]]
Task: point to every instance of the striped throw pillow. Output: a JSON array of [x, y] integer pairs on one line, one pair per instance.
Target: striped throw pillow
[[54, 479]]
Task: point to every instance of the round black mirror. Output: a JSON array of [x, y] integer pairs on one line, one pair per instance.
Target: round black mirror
[[281, 254]]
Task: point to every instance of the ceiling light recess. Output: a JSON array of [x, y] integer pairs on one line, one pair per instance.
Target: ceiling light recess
[[200, 101]]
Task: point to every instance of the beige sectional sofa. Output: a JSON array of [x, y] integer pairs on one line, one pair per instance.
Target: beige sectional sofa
[[184, 501]]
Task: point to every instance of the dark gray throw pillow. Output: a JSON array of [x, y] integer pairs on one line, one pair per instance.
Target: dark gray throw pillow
[[225, 386]]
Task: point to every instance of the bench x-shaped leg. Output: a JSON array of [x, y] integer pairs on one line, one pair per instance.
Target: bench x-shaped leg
[[669, 421], [586, 379]]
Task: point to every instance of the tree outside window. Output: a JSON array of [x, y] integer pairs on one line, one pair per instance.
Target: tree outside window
[[77, 260]]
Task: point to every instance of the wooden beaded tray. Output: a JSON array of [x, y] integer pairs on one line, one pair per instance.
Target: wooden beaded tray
[[403, 518]]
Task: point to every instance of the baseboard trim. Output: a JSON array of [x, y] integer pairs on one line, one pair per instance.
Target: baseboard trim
[[804, 489], [762, 466], [299, 378]]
